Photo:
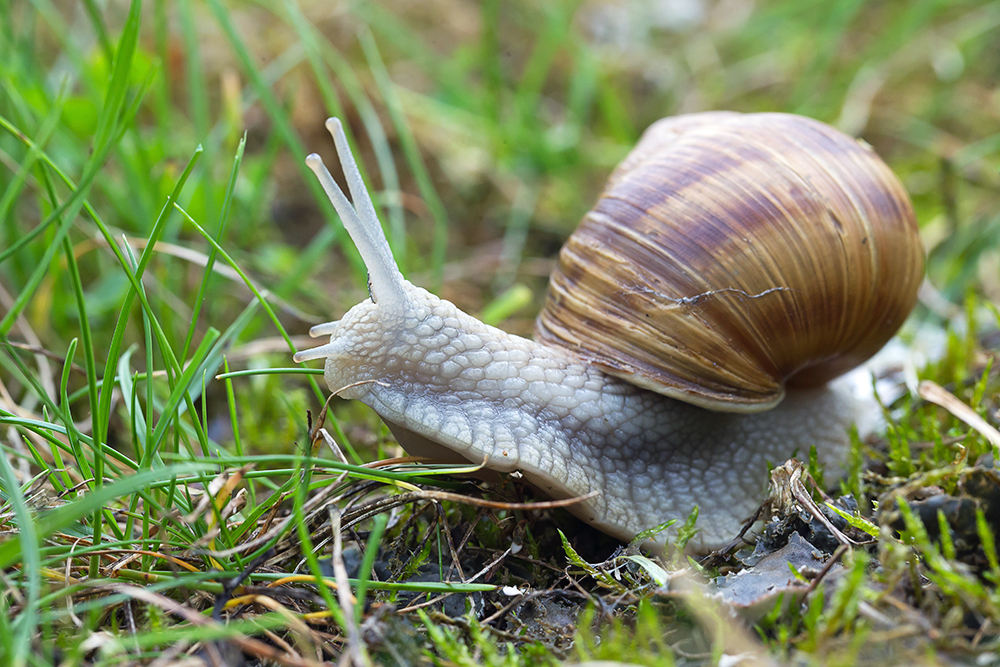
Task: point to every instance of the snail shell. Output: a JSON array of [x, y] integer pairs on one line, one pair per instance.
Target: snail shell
[[731, 254]]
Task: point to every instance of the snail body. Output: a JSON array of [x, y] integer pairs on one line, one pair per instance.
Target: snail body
[[713, 273]]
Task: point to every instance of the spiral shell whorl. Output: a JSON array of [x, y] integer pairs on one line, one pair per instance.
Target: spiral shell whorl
[[730, 254]]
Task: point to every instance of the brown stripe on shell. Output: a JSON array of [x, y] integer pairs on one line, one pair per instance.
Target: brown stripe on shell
[[731, 253]]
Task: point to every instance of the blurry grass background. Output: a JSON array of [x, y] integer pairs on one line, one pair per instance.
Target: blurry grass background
[[484, 129]]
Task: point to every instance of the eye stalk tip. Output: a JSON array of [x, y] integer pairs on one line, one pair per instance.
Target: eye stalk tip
[[333, 125], [314, 161]]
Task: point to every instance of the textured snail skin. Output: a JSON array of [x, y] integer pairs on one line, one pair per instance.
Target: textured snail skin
[[441, 378], [450, 386]]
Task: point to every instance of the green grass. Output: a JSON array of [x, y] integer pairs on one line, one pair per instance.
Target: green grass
[[158, 228]]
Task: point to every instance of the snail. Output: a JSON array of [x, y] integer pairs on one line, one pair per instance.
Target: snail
[[734, 265]]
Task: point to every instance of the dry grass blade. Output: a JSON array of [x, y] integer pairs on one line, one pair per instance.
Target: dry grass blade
[[935, 393]]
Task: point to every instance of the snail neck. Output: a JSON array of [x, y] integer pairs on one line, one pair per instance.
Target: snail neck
[[436, 371]]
